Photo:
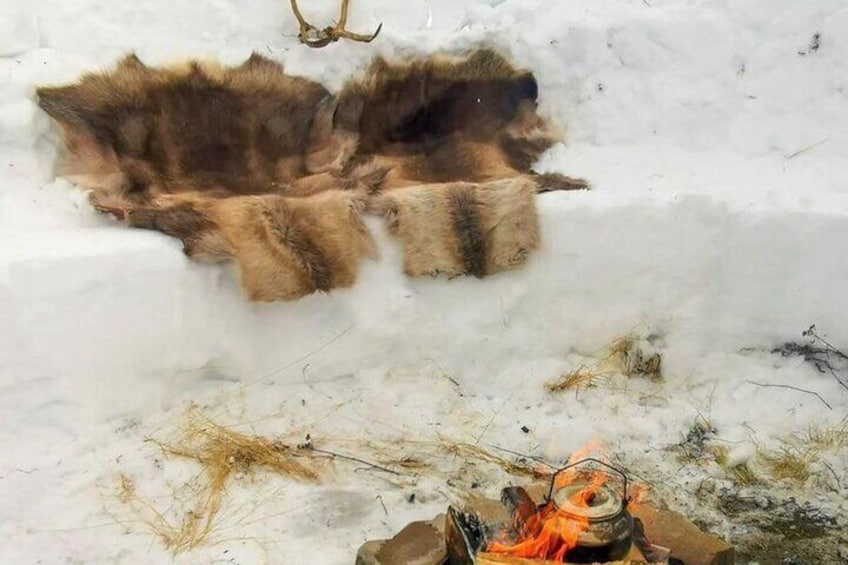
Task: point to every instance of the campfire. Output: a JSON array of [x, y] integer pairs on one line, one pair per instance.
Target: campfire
[[589, 511], [584, 520]]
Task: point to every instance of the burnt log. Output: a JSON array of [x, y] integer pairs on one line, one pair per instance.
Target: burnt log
[[464, 536], [520, 506]]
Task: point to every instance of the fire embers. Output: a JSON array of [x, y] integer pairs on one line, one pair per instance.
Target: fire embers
[[584, 519]]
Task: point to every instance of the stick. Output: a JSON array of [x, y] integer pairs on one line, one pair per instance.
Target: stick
[[495, 415], [524, 455], [383, 504], [805, 149], [833, 349], [817, 395], [295, 362], [354, 459], [835, 376], [830, 349]]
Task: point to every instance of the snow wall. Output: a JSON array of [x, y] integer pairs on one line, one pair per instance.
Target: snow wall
[[714, 133]]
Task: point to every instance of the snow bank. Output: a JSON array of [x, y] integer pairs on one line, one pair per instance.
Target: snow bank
[[112, 310]]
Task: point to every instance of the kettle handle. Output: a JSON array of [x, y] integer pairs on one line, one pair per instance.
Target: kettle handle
[[615, 470]]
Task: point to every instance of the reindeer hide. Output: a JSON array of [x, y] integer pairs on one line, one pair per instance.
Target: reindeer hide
[[273, 171]]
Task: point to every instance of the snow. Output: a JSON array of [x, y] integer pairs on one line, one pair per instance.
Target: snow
[[717, 224]]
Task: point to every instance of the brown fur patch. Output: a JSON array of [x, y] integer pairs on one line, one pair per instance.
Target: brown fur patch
[[251, 164], [549, 182], [478, 229], [244, 129], [433, 250], [444, 119], [424, 100], [511, 222], [286, 248], [468, 228]]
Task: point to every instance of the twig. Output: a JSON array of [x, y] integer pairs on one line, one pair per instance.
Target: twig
[[383, 504], [768, 385], [304, 357], [354, 459], [831, 348], [805, 149], [444, 373], [491, 421], [524, 455], [838, 379], [828, 350], [835, 476]]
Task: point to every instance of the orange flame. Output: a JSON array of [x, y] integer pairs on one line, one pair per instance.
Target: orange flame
[[550, 534], [638, 493]]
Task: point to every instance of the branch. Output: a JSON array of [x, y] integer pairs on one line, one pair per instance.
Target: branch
[[523, 455], [354, 459], [817, 395]]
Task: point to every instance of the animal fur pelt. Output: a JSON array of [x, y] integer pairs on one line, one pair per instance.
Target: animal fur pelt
[[272, 170]]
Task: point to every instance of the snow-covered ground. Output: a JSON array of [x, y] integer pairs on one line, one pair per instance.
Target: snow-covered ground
[[715, 133]]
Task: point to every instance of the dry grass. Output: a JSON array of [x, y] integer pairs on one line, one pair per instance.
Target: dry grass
[[430, 455], [743, 475], [126, 488], [511, 465], [624, 356], [694, 447], [697, 449], [790, 463], [221, 452], [633, 361], [740, 473], [580, 378], [796, 457], [827, 438]]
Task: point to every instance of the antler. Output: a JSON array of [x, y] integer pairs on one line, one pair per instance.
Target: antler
[[314, 37]]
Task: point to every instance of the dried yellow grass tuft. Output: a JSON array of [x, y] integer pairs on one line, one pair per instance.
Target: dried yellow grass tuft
[[221, 452], [580, 378], [624, 356], [740, 473], [790, 463], [632, 360], [797, 456]]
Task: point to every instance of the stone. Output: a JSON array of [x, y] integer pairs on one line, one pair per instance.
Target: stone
[[488, 510], [419, 543], [367, 554], [686, 541]]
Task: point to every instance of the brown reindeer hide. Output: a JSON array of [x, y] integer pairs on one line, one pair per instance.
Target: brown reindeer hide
[[472, 228], [271, 170]]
